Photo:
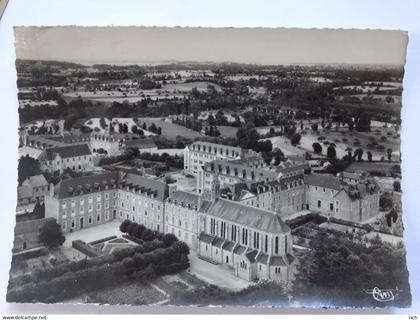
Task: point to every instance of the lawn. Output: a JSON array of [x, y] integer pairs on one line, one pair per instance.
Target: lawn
[[129, 293], [188, 86], [169, 129], [372, 166], [227, 131], [368, 141]]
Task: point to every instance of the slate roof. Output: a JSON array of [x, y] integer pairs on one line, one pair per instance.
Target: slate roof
[[160, 188], [86, 184], [37, 181], [218, 242], [277, 261], [185, 197], [70, 151], [220, 167], [247, 216], [324, 181], [206, 238], [262, 258], [251, 255], [228, 245], [239, 249]]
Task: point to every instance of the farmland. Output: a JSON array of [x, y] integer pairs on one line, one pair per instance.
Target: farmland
[[169, 129]]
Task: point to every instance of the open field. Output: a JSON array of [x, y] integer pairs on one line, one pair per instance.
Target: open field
[[130, 96], [344, 139], [227, 131], [169, 129], [184, 87], [370, 166]]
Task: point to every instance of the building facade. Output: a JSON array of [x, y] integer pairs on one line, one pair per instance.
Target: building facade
[[33, 189], [87, 201], [199, 153], [255, 244], [74, 157], [355, 200], [181, 214]]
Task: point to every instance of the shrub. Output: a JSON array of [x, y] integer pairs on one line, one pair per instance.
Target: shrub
[[124, 225], [397, 186], [169, 239], [51, 235]]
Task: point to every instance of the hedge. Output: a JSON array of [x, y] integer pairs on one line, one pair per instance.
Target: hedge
[[134, 239], [28, 254], [85, 248], [102, 240], [143, 266]]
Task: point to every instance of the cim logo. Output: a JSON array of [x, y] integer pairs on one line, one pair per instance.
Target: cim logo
[[384, 295]]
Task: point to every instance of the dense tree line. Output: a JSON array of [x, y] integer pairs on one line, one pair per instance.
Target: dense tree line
[[337, 272]]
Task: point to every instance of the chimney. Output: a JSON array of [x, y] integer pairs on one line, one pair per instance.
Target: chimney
[[51, 190], [172, 189]]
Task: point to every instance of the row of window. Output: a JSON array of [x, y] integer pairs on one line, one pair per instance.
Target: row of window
[[81, 221], [72, 202]]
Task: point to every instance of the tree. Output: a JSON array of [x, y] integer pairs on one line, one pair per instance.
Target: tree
[[27, 167], [278, 156], [159, 130], [39, 210], [295, 139], [369, 154], [314, 127], [144, 126], [363, 122], [153, 128], [168, 239], [317, 147], [389, 152], [124, 226], [359, 154], [397, 186], [51, 235], [331, 153], [102, 123], [134, 129], [352, 269]]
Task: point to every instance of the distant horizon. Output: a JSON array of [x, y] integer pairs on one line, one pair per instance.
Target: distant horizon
[[261, 46], [88, 63]]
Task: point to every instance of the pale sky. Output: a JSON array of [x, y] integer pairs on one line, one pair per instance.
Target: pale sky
[[122, 45]]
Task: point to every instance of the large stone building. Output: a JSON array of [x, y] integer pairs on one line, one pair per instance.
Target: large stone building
[[34, 145], [200, 152], [255, 244], [75, 157], [111, 143], [181, 214], [350, 197], [279, 189], [77, 203]]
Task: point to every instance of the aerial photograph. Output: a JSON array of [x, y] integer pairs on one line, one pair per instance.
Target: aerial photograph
[[209, 167]]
